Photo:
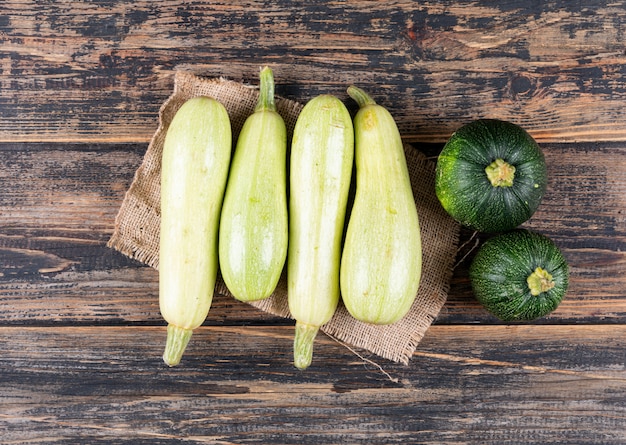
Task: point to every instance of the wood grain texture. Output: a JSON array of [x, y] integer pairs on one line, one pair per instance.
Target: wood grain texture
[[237, 385], [98, 71], [55, 266], [81, 337]]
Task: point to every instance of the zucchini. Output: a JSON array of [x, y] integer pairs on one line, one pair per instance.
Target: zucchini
[[322, 154], [195, 163], [254, 223], [382, 256], [519, 275], [491, 176]]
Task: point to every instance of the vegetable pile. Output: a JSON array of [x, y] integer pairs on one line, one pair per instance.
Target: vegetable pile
[[237, 214], [260, 209], [491, 177]]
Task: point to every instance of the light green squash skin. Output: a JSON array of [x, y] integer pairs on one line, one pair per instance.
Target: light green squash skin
[[195, 163], [254, 223], [382, 256], [322, 156]]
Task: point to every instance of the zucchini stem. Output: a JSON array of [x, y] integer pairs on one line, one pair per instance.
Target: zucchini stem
[[540, 281], [360, 96], [303, 344], [500, 173], [266, 91], [177, 339]]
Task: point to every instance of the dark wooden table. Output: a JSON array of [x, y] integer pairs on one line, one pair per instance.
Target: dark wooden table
[[81, 337]]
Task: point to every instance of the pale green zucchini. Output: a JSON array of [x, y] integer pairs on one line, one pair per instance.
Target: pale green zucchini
[[322, 155], [254, 222], [382, 255], [196, 158]]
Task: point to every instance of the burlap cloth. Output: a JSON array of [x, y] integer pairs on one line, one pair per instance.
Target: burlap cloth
[[136, 233]]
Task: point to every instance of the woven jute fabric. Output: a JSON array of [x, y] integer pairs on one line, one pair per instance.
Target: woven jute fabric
[[136, 233]]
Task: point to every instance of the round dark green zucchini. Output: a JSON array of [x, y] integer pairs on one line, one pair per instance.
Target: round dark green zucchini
[[491, 176], [519, 275]]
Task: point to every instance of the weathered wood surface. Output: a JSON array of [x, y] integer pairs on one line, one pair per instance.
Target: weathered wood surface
[[97, 385], [99, 70], [55, 230], [81, 335]]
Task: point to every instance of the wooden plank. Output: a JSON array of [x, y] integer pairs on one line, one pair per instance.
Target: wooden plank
[[58, 204], [465, 385], [85, 71], [57, 211], [65, 188]]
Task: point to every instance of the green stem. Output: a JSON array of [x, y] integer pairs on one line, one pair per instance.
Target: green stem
[[266, 91], [177, 339], [360, 96], [303, 344]]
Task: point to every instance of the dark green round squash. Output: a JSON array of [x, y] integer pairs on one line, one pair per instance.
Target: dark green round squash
[[491, 176], [519, 275]]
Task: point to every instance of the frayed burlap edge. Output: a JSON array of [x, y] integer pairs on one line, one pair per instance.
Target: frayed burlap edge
[[136, 232]]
